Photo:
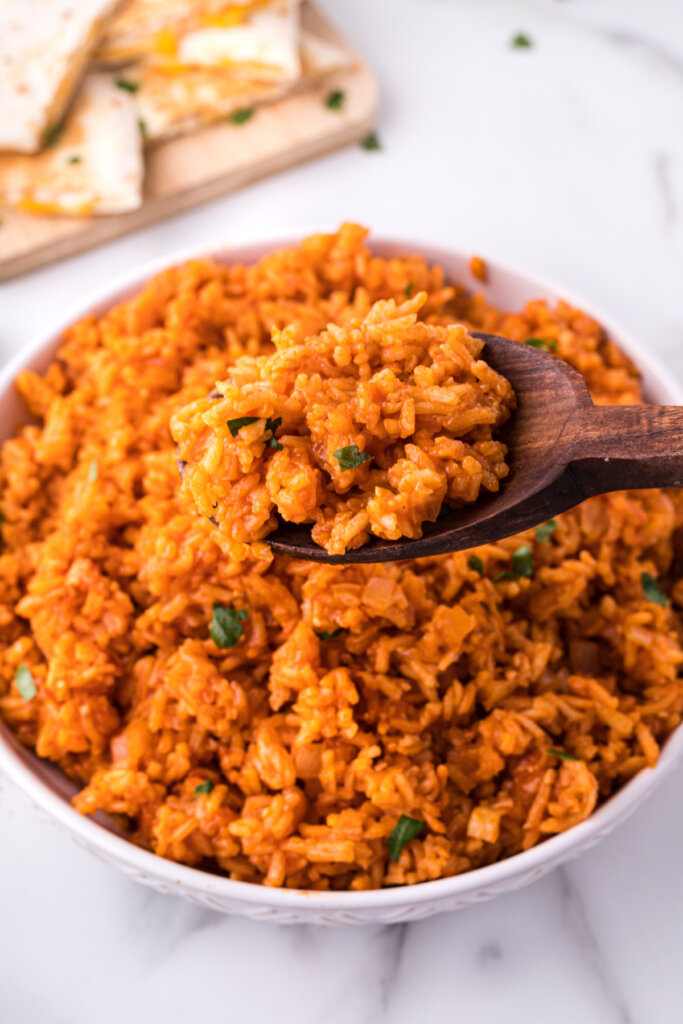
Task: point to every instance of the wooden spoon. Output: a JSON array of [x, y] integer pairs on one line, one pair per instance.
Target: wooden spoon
[[562, 450]]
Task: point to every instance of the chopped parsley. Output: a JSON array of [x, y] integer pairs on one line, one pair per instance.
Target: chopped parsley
[[92, 471], [474, 562], [549, 344], [241, 116], [544, 531], [522, 562], [272, 426], [562, 754], [324, 635], [522, 565], [350, 457], [226, 625], [127, 85], [235, 426], [204, 787], [75, 159], [405, 829], [371, 141], [521, 41], [408, 290], [53, 135], [334, 99], [652, 590], [142, 125], [26, 684]]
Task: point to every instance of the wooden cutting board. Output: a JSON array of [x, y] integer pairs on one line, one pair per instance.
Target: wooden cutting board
[[208, 163]]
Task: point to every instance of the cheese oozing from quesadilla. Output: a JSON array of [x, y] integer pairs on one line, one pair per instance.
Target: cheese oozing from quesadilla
[[93, 166], [148, 28], [171, 104], [44, 46], [263, 45]]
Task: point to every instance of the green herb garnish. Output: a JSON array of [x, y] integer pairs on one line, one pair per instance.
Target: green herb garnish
[[92, 471], [652, 590], [408, 290], [226, 625], [26, 684], [75, 159], [475, 563], [203, 787], [549, 344], [241, 116], [142, 125], [127, 85], [521, 41], [52, 135], [562, 754], [371, 141], [272, 426], [334, 99], [324, 635], [405, 829], [235, 426], [522, 561], [350, 457], [544, 531], [522, 565]]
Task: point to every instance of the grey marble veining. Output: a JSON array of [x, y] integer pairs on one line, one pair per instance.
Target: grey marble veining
[[568, 158], [576, 916]]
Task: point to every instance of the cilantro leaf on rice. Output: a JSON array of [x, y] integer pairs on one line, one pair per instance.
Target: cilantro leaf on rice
[[406, 828], [652, 590], [350, 457], [226, 626]]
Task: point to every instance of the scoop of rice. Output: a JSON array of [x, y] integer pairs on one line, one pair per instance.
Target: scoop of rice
[[365, 428]]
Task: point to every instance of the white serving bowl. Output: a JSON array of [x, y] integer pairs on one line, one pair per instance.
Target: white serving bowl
[[49, 791]]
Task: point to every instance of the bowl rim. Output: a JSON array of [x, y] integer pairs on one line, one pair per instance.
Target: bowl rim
[[550, 852]]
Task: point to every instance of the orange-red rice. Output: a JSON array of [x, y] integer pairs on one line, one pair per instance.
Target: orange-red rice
[[365, 428], [444, 693]]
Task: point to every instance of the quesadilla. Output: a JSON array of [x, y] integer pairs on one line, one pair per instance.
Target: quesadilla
[[145, 29], [171, 104], [44, 46], [262, 46], [95, 166], [320, 57]]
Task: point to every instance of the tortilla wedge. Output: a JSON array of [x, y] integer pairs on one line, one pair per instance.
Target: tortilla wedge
[[147, 28], [263, 46], [169, 105], [44, 46], [95, 165]]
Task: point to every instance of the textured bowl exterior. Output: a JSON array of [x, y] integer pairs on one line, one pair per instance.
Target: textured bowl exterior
[[49, 791]]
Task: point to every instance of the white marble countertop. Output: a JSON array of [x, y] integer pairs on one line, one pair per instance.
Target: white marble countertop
[[567, 157]]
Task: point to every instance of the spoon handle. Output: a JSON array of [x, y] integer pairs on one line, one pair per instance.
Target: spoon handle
[[628, 447]]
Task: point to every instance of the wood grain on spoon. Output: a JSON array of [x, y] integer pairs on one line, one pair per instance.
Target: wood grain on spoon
[[562, 449]]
